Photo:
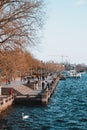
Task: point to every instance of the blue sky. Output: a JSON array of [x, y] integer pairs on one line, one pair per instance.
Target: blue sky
[[65, 32]]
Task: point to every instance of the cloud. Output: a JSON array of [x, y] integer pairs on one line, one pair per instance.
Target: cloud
[[80, 2]]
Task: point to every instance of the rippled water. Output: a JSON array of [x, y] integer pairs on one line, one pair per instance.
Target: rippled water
[[67, 110]]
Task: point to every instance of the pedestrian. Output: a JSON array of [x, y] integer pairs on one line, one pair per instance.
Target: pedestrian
[[6, 81], [36, 85], [28, 82], [43, 84], [11, 92], [48, 85], [43, 77]]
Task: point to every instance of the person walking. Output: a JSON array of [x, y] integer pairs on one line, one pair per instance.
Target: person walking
[[43, 84]]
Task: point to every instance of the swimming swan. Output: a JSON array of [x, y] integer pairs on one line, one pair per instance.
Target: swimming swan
[[24, 116]]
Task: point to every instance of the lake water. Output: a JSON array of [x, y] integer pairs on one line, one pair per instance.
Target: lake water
[[67, 110]]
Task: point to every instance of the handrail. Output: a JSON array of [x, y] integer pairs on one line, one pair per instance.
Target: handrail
[[5, 100]]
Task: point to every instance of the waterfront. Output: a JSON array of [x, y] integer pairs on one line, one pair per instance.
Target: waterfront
[[67, 110]]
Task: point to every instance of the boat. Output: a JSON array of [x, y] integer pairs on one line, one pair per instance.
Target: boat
[[74, 74]]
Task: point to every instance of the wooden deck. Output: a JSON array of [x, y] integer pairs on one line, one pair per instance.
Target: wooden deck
[[27, 95], [37, 97]]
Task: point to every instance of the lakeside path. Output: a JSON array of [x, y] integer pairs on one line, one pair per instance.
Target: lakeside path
[[13, 83]]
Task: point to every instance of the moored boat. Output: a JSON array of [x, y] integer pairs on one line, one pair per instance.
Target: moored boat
[[74, 74]]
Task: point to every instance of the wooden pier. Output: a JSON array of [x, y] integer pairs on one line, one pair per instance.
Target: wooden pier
[[40, 98], [26, 95]]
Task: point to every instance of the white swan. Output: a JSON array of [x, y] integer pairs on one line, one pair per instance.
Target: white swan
[[24, 116]]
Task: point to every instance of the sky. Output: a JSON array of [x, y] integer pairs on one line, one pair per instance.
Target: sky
[[65, 32]]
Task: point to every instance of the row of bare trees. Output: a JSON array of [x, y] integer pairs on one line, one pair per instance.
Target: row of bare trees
[[20, 63], [17, 61], [19, 22]]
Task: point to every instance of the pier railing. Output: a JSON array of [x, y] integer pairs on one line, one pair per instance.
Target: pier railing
[[5, 102]]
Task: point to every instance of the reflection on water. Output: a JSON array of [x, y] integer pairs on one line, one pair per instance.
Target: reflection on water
[[67, 110]]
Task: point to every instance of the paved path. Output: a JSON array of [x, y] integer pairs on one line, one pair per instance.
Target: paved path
[[13, 84]]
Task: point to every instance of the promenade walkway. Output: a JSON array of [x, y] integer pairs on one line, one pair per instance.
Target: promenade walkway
[[13, 83]]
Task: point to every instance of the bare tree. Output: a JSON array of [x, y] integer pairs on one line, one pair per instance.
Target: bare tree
[[15, 61], [19, 21]]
